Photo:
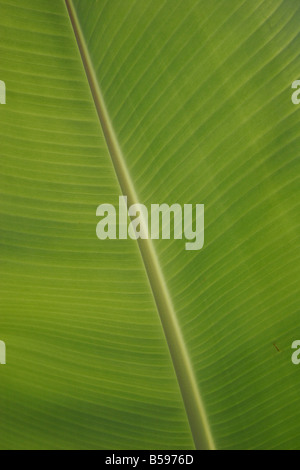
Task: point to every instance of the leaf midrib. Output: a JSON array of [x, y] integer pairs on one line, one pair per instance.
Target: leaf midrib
[[182, 364]]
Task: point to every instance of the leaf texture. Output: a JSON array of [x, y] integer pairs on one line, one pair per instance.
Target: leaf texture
[[198, 95]]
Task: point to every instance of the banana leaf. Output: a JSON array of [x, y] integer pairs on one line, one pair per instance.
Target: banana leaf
[[120, 344]]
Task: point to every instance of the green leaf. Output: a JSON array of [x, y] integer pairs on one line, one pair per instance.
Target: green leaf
[[116, 345]]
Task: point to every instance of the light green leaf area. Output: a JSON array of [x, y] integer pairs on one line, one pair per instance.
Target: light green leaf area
[[198, 95]]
